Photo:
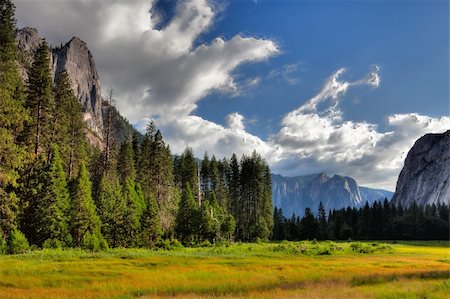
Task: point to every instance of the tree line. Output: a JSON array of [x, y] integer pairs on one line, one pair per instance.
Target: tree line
[[380, 221], [57, 190]]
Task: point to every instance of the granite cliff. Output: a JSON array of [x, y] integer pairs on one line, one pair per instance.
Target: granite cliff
[[76, 58], [294, 194], [425, 177]]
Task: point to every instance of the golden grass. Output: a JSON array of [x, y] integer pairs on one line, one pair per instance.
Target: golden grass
[[406, 272]]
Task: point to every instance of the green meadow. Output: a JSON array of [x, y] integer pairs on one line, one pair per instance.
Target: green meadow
[[258, 270]]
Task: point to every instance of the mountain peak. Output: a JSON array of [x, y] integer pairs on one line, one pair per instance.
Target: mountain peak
[[77, 41], [294, 194]]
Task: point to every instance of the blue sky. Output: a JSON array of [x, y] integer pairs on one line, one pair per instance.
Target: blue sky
[[409, 40], [342, 87]]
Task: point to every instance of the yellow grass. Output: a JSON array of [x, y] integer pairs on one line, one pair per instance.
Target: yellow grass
[[253, 271]]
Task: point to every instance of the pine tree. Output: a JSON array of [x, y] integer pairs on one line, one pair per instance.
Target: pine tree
[[135, 207], [68, 125], [205, 175], [40, 100], [308, 225], [52, 215], [150, 225], [187, 217], [323, 230], [156, 176], [111, 209], [85, 223], [12, 119], [8, 50], [125, 163], [233, 187]]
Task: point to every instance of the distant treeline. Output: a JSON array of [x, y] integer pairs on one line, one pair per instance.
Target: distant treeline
[[57, 190], [381, 221]]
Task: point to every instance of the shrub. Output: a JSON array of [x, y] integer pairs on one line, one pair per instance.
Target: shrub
[[94, 242], [17, 242], [169, 244], [3, 246], [53, 244]]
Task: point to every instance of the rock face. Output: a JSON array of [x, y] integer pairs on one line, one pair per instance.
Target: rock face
[[294, 194], [77, 60], [425, 177], [27, 40]]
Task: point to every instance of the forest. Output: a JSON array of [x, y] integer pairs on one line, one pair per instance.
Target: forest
[[379, 221], [57, 190]]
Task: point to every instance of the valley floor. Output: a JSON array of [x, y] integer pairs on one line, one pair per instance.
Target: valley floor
[[263, 270]]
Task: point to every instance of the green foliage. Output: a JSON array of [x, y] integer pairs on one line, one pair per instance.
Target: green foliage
[[111, 209], [12, 119], [52, 244], [40, 101], [84, 218], [68, 125], [156, 176], [52, 202], [188, 216], [17, 242], [169, 244], [150, 225], [94, 242], [3, 244]]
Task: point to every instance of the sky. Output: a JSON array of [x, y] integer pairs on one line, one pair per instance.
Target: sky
[[342, 87]]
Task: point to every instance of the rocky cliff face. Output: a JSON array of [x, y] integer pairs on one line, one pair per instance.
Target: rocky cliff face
[[77, 60], [425, 177], [294, 194], [27, 40]]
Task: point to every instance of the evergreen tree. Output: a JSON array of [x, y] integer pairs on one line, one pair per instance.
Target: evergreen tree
[[68, 125], [40, 100], [134, 209], [234, 187], [308, 225], [12, 119], [85, 222], [52, 214], [111, 209], [150, 225], [323, 230], [125, 164], [156, 176], [186, 224]]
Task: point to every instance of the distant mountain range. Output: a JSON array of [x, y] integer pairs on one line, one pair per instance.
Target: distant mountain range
[[294, 194]]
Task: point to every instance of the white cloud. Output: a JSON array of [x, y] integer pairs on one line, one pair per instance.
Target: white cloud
[[313, 141], [161, 73], [235, 121], [155, 72]]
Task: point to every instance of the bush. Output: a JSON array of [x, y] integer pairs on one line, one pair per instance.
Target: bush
[[53, 244], [3, 246], [94, 242], [169, 244], [17, 242]]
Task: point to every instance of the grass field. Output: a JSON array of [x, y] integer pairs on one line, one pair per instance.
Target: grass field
[[264, 270]]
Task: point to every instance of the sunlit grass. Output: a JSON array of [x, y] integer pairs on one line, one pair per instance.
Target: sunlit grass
[[265, 270]]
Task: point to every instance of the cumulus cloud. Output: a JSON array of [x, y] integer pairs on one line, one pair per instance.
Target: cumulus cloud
[[313, 140], [157, 72]]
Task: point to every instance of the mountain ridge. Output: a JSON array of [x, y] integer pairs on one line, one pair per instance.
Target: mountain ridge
[[294, 194]]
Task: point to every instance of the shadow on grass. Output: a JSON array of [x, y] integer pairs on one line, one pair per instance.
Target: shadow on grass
[[378, 279]]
